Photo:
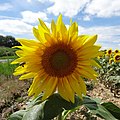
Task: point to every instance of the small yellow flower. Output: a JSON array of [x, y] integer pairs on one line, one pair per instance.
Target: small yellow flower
[[57, 60], [117, 57]]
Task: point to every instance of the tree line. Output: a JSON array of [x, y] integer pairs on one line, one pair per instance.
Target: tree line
[[8, 41]]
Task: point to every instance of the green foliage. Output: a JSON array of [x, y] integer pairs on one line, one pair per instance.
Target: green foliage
[[114, 110], [7, 69], [55, 105], [109, 74], [5, 51], [17, 115]]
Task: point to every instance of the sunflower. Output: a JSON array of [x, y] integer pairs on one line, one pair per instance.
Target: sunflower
[[57, 60], [116, 51], [117, 57], [109, 52]]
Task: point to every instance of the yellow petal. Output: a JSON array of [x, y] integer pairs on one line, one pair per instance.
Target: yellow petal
[[82, 85], [90, 41], [19, 53], [94, 63], [18, 60], [73, 29], [85, 73], [26, 76], [28, 43], [59, 22], [44, 25], [75, 86], [68, 89], [37, 35], [38, 84], [53, 28], [61, 90], [37, 80], [50, 88], [20, 69]]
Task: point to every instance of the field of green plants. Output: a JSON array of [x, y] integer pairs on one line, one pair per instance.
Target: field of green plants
[[109, 74], [109, 77]]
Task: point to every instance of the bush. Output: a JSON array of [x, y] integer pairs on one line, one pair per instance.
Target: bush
[[5, 51]]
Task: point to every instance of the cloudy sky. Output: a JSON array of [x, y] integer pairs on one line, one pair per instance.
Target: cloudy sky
[[102, 17]]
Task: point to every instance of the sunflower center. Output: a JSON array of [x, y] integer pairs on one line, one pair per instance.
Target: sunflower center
[[116, 51], [117, 57], [59, 60], [109, 52]]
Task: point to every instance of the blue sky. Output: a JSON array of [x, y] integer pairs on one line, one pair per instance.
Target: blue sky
[[102, 17]]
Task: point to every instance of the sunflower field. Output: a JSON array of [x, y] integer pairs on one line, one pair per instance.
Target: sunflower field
[[109, 74]]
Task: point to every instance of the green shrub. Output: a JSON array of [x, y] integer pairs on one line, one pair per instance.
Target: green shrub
[[5, 51]]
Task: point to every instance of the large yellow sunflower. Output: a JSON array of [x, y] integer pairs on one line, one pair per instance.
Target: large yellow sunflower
[[57, 60]]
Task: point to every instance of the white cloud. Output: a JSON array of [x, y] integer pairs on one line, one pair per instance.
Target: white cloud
[[42, 1], [98, 8], [103, 8], [32, 17], [69, 8], [107, 36], [86, 18], [5, 6], [15, 27]]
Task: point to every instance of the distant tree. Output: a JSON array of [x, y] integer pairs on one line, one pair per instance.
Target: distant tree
[[2, 38], [8, 41]]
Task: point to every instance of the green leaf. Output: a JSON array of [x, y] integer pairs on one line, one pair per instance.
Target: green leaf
[[17, 115], [90, 103], [35, 101], [50, 108], [56, 104], [35, 113], [113, 109], [53, 107], [96, 108], [103, 113]]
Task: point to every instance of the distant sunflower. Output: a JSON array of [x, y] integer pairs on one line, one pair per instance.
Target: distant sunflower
[[117, 57], [116, 51], [109, 52], [57, 60]]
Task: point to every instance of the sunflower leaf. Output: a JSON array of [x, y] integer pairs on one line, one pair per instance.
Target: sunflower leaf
[[17, 115], [113, 109]]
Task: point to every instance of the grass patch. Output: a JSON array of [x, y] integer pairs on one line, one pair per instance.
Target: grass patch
[[7, 69], [8, 57], [6, 51]]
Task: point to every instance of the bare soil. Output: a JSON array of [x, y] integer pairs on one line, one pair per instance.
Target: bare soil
[[13, 97]]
